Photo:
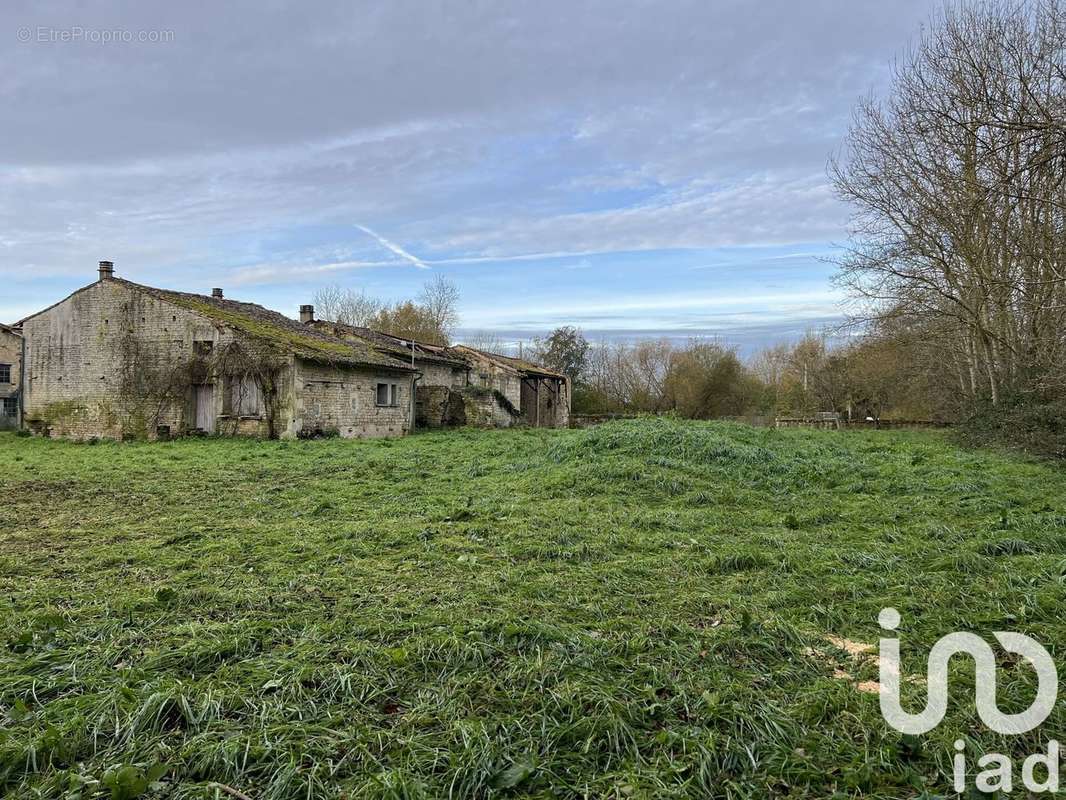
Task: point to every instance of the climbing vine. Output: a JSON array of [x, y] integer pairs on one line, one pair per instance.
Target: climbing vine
[[235, 363], [155, 378]]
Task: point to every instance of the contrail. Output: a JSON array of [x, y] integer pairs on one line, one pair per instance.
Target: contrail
[[395, 248]]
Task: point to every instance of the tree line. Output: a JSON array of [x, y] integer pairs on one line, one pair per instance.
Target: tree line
[[957, 181], [432, 317], [865, 378]]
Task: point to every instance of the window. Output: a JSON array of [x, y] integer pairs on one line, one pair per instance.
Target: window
[[245, 399], [5, 373], [11, 407], [202, 349], [386, 395]]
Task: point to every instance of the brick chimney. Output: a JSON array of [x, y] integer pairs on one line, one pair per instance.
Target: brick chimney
[[307, 314], [216, 293], [107, 270]]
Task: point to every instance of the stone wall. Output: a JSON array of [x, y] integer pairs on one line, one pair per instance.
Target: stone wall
[[439, 407], [435, 374], [10, 354], [486, 376], [343, 401], [482, 408], [95, 363]]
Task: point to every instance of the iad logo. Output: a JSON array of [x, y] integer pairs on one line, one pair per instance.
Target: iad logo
[[998, 778], [936, 703]]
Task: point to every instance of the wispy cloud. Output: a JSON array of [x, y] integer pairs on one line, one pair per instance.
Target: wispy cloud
[[595, 182], [258, 274], [395, 248]]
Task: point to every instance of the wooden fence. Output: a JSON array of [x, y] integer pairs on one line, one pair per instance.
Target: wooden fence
[[857, 424], [824, 421]]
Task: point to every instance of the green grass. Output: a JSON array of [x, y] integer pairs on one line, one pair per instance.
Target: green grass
[[626, 611]]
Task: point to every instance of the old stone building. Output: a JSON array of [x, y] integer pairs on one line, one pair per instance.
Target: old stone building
[[10, 377], [464, 386], [119, 360], [517, 391], [440, 373]]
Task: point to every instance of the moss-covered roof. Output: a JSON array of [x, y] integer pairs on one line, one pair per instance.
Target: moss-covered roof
[[518, 364], [391, 345], [274, 328]]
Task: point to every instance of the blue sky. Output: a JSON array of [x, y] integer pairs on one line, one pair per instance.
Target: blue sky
[[637, 169]]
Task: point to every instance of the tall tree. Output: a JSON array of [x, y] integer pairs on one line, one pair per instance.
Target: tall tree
[[957, 182], [565, 350], [347, 306], [409, 320]]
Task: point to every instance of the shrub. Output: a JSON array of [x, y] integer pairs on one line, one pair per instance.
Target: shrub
[[1034, 426]]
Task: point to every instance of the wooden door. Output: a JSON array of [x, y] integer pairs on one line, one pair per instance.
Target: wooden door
[[205, 407]]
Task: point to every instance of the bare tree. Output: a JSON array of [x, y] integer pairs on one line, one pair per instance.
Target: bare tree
[[489, 341], [440, 299], [346, 306], [957, 182]]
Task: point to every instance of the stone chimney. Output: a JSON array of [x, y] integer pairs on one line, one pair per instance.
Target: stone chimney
[[107, 270], [307, 314], [216, 293]]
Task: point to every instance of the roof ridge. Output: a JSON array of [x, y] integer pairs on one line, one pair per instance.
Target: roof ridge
[[258, 321]]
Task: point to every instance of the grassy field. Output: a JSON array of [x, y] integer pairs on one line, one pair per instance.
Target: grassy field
[[636, 610]]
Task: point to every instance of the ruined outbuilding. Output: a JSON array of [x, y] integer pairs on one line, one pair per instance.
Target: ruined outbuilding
[[515, 390], [462, 385], [120, 360]]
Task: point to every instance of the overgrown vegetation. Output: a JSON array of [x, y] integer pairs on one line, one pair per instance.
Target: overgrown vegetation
[[154, 384], [635, 610]]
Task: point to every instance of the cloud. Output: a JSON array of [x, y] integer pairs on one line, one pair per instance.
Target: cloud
[[478, 137], [395, 248]]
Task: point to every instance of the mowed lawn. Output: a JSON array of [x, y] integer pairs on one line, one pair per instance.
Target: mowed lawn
[[636, 610]]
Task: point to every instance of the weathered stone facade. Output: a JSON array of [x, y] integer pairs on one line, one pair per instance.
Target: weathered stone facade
[[465, 386], [119, 360], [439, 374], [345, 402], [516, 392], [10, 377]]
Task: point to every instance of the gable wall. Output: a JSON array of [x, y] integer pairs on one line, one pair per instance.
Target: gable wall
[[437, 374], [79, 356], [483, 409]]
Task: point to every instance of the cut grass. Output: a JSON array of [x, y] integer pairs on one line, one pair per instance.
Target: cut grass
[[625, 611]]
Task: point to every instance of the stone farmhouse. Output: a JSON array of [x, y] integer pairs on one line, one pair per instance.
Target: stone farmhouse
[[10, 377], [120, 360], [463, 386]]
